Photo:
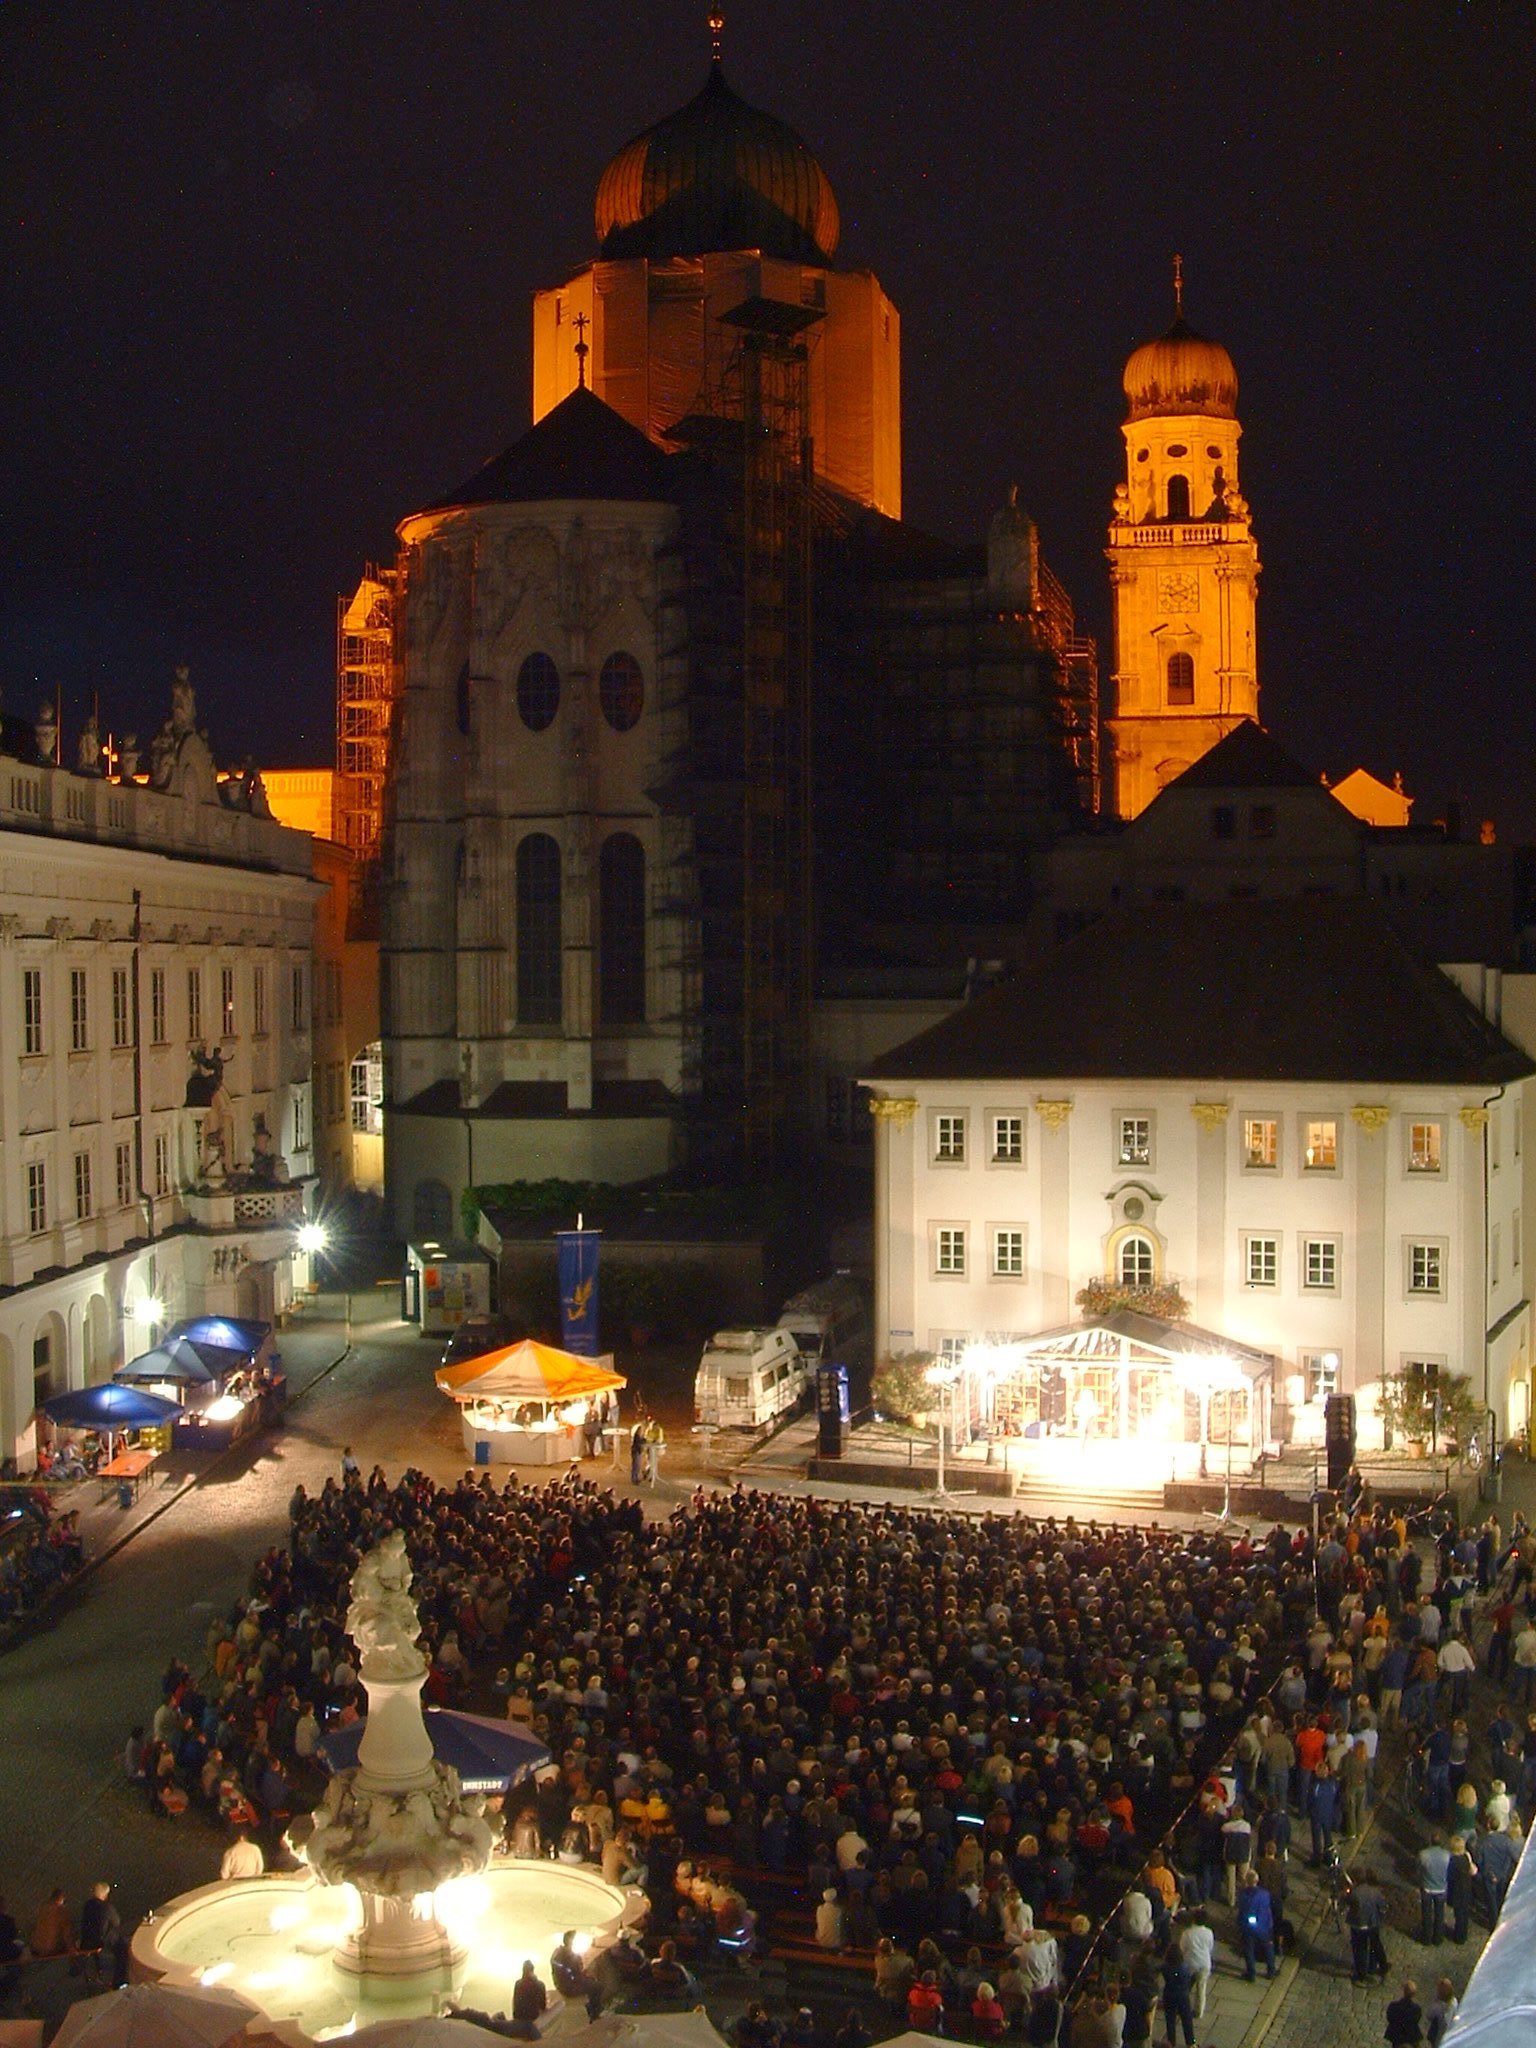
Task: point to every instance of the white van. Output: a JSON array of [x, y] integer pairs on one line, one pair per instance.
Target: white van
[[749, 1378], [829, 1323]]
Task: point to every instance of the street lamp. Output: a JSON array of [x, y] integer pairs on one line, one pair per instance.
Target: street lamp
[[943, 1377], [312, 1237]]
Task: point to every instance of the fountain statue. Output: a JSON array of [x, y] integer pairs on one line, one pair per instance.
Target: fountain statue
[[397, 1825]]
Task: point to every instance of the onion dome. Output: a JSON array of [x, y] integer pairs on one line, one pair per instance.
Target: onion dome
[[1181, 372], [717, 175]]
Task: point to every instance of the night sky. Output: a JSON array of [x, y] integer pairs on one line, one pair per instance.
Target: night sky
[[270, 269]]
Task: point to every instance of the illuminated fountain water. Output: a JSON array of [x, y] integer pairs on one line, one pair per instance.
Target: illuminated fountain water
[[399, 1908]]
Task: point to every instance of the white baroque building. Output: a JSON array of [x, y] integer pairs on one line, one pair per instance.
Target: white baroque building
[[1272, 1107], [141, 921]]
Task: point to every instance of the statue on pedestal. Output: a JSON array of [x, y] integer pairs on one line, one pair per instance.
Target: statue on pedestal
[[88, 749]]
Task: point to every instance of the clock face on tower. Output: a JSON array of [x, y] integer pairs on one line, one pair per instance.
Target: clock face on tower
[[1178, 590]]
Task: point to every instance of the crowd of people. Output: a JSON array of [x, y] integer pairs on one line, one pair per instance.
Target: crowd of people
[[942, 1741], [41, 1552]]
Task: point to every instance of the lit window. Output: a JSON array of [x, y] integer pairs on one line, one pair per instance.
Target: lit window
[[1320, 1372], [194, 1002], [949, 1248], [1137, 1261], [1261, 1143], [1008, 1254], [1320, 1263], [227, 1002], [157, 1031], [301, 1123], [1135, 1145], [1008, 1140], [1424, 1148], [79, 1011], [949, 1139], [162, 1165], [1426, 1268], [1320, 1151], [122, 1030], [37, 1196], [32, 1009], [1261, 1261], [368, 1090], [123, 1160], [259, 1001], [83, 1203]]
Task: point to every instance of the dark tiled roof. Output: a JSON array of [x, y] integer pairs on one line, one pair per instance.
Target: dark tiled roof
[[580, 449], [1247, 758], [538, 1099], [1293, 990]]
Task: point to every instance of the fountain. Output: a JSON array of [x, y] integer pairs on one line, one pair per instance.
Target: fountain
[[399, 1908]]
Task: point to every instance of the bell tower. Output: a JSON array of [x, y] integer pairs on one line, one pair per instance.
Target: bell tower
[[1183, 565]]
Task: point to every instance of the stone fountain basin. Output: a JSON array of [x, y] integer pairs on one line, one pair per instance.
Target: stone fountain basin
[[271, 1938]]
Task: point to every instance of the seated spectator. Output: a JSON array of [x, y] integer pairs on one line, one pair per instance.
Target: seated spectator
[[925, 2005]]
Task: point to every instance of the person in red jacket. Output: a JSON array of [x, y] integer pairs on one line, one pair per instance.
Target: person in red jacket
[[925, 2005]]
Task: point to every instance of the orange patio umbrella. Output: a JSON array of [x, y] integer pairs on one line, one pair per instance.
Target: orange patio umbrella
[[528, 1372]]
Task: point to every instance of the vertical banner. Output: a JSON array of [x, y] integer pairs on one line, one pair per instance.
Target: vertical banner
[[577, 1253]]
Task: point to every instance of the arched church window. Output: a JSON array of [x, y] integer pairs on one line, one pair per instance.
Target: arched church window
[[538, 930], [538, 692], [1181, 678], [621, 930], [1138, 1262], [1178, 497], [621, 688]]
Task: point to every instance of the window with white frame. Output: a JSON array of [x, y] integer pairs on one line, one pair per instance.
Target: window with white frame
[[950, 1348], [31, 1009], [227, 1002], [259, 1001], [1320, 1144], [194, 1002], [368, 1090], [122, 1158], [949, 1249], [1133, 1139], [122, 1016], [162, 1164], [1136, 1261], [1320, 1264], [83, 1201], [1261, 1261], [1007, 1141], [1424, 1262], [1320, 1374], [158, 1034], [1424, 1145], [298, 1015], [79, 1010], [949, 1139], [1007, 1252], [1261, 1144], [37, 1196], [301, 1123]]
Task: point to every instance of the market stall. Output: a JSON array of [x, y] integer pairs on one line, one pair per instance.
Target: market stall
[[527, 1404], [108, 1412], [220, 1395]]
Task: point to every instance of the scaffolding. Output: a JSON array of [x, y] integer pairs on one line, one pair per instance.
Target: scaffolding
[[365, 698], [1076, 701]]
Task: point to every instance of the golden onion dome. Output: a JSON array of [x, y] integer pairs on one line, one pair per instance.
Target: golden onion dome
[[1181, 372], [717, 175]]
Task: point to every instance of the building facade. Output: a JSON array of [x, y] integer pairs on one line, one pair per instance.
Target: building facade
[[1271, 1120], [156, 1126]]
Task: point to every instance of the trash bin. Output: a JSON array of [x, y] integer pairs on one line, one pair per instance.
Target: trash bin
[[482, 1450], [125, 1493]]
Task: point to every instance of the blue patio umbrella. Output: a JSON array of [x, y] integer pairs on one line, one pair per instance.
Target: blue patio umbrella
[[489, 1756], [110, 1406], [175, 1359], [223, 1333]]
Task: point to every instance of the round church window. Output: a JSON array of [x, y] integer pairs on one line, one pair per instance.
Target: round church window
[[1177, 448], [1214, 452], [1142, 454], [1135, 1209], [538, 692], [621, 688]]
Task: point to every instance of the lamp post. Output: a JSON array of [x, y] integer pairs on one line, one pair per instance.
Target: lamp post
[[942, 1377]]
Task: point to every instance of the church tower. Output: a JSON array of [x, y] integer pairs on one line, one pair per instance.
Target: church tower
[[1184, 565]]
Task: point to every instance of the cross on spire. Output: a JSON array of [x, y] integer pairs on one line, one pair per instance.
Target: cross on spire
[[1178, 287], [716, 32], [582, 351]]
